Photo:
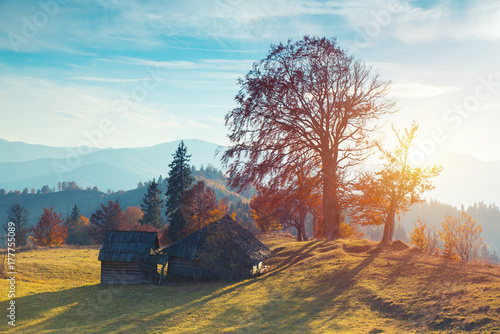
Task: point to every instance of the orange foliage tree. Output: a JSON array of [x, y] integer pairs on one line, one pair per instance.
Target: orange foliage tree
[[108, 217], [263, 210], [199, 208], [307, 101], [50, 230], [133, 214], [379, 196], [462, 238], [277, 208]]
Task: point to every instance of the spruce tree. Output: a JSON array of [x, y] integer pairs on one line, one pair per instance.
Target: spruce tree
[[74, 218], [151, 206], [19, 215], [179, 180]]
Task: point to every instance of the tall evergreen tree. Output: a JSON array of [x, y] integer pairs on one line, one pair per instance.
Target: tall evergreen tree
[[74, 219], [151, 206], [179, 180], [19, 215]]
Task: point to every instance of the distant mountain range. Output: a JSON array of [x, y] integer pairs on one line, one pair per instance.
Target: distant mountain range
[[33, 166], [465, 179]]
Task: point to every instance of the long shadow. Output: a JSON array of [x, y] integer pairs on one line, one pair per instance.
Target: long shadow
[[95, 307], [80, 307], [320, 298], [73, 309]]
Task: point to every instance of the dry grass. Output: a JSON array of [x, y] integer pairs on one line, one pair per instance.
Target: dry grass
[[311, 287]]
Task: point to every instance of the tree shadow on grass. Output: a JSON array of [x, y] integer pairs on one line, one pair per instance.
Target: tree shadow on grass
[[130, 308]]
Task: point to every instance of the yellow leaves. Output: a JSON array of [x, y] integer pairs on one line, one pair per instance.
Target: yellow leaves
[[461, 237], [424, 238], [349, 231]]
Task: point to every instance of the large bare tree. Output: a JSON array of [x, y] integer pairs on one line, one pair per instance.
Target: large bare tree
[[307, 100]]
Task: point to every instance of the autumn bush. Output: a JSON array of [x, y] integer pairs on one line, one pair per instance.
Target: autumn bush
[[350, 231], [462, 238], [424, 238]]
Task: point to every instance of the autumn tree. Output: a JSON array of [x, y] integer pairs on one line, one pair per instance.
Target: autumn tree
[[461, 237], [50, 230], [179, 181], [381, 195], [19, 215], [108, 217], [288, 206], [199, 208], [262, 209], [79, 232], [152, 204], [133, 214], [306, 101]]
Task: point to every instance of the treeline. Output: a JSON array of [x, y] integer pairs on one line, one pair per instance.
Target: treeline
[[46, 189], [172, 207]]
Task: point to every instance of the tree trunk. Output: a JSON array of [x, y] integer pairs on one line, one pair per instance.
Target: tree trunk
[[388, 229], [299, 232], [302, 225], [331, 208]]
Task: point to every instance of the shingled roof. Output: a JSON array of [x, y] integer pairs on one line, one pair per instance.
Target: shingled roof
[[129, 246], [226, 233]]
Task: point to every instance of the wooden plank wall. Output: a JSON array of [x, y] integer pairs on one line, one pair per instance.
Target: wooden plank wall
[[123, 273], [179, 268]]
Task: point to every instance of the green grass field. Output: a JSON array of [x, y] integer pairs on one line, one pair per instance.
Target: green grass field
[[310, 287]]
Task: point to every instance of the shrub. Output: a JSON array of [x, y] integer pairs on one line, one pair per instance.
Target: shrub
[[462, 238], [424, 238]]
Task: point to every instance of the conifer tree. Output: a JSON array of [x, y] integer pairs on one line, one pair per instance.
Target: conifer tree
[[19, 215], [179, 180], [151, 205], [74, 219]]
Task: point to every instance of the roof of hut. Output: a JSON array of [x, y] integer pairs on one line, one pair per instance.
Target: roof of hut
[[128, 246], [223, 241]]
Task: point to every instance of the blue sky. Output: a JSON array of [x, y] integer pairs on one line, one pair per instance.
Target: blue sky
[[139, 73]]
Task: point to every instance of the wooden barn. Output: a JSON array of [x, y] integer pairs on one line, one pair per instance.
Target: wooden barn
[[127, 257], [224, 249]]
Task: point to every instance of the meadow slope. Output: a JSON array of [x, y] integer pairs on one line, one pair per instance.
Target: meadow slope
[[310, 287]]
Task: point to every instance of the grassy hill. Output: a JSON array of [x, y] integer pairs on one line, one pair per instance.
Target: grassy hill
[[311, 287]]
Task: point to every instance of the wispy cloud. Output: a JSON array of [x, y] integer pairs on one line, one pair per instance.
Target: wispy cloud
[[115, 80], [419, 90]]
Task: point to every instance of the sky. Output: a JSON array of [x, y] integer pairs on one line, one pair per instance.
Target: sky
[[139, 73]]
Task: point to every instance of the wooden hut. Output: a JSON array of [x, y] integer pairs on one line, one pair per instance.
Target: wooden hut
[[224, 249], [127, 257]]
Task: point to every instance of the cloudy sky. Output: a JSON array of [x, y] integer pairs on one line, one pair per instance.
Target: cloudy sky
[[138, 73]]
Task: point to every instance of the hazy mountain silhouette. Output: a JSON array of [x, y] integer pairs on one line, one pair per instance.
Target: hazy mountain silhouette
[[466, 180], [105, 168]]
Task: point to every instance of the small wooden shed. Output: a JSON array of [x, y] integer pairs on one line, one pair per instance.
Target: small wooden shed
[[224, 249], [127, 257]]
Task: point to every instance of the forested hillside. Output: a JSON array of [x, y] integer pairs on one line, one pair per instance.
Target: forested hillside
[[89, 200]]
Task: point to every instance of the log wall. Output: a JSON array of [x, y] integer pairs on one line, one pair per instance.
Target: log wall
[[124, 273]]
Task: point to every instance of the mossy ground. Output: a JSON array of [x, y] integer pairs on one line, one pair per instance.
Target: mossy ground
[[310, 287]]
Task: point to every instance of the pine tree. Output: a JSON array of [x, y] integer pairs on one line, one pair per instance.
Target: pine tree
[[19, 215], [74, 219], [151, 205], [179, 180]]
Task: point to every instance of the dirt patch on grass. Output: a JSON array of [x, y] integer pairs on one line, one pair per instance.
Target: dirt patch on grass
[[357, 248], [398, 246]]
